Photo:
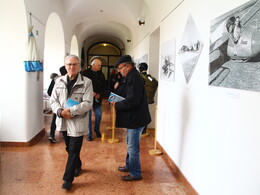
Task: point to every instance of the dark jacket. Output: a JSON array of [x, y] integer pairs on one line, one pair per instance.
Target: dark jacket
[[50, 88], [132, 112], [112, 81], [151, 85], [98, 83]]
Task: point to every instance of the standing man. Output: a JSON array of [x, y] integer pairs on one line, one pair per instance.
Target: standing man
[[237, 29], [99, 85], [72, 121], [150, 84], [132, 114]]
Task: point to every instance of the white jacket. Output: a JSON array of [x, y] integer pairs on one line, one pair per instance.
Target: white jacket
[[81, 92]]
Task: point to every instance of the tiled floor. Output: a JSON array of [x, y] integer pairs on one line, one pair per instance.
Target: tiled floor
[[39, 169]]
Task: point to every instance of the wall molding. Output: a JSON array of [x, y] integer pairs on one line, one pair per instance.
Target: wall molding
[[32, 142], [176, 171]]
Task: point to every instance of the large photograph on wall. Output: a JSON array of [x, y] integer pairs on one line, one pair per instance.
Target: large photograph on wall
[[234, 59], [190, 49], [143, 58], [167, 69]]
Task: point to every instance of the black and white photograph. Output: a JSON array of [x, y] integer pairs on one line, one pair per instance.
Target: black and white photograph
[[234, 59], [190, 49], [143, 58], [167, 70]]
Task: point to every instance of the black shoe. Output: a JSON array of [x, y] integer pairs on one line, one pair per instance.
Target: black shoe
[[77, 172], [123, 169], [130, 178], [99, 134], [66, 185], [52, 140], [89, 138]]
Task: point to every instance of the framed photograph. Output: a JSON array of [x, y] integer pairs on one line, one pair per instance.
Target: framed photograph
[[167, 68], [190, 48], [234, 58]]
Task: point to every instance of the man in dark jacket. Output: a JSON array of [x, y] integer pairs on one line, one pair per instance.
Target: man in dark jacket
[[132, 114], [99, 85]]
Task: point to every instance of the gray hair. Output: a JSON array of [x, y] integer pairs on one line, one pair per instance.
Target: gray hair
[[95, 57], [53, 75], [72, 56]]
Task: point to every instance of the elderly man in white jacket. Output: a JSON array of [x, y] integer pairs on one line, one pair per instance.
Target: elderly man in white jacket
[[72, 119]]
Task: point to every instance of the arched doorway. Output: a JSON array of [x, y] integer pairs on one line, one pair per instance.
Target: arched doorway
[[74, 49], [54, 50], [109, 54]]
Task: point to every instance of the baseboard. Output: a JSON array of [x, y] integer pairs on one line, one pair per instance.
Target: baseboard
[[32, 142], [176, 171]]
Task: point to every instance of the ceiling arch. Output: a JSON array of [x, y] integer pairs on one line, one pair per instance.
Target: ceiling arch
[[114, 32], [113, 21]]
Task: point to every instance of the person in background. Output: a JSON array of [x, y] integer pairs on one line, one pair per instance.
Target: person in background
[[72, 121], [63, 70], [52, 139], [113, 79], [132, 114], [237, 29], [54, 76], [99, 86], [150, 84]]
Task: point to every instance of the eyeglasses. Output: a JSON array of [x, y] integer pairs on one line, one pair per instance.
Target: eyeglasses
[[74, 64], [121, 67]]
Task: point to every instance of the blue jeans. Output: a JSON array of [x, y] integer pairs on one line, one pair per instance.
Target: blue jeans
[[133, 163], [98, 113]]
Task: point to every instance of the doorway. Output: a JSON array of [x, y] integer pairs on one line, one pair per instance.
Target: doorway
[[109, 54]]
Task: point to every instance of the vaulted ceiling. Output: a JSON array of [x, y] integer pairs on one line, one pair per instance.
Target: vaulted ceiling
[[114, 21]]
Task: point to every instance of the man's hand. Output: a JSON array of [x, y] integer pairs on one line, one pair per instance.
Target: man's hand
[[97, 96], [66, 113], [116, 85]]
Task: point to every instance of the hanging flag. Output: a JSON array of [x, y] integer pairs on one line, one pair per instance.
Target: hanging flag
[[32, 63]]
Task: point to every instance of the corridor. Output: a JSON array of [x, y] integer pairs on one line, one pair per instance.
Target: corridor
[[39, 169]]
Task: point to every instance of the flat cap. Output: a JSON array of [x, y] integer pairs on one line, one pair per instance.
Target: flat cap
[[123, 59]]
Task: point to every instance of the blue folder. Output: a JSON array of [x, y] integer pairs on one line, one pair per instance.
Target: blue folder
[[115, 98], [70, 103]]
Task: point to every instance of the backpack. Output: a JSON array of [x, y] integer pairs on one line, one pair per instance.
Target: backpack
[[150, 84]]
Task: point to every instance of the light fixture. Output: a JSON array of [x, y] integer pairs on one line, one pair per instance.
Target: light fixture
[[141, 22]]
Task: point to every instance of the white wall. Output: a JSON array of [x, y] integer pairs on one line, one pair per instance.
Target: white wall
[[20, 112], [74, 48], [153, 69], [211, 133], [54, 50], [22, 102]]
